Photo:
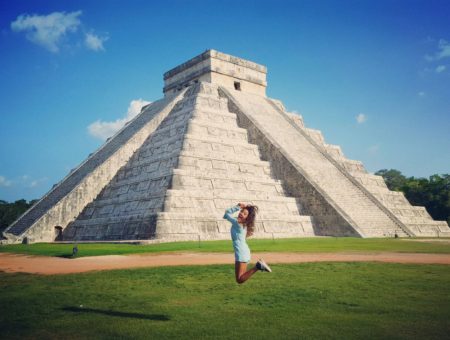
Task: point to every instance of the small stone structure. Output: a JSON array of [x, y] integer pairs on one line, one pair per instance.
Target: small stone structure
[[215, 139]]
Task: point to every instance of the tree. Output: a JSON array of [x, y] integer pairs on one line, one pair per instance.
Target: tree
[[432, 193], [9, 212], [394, 179]]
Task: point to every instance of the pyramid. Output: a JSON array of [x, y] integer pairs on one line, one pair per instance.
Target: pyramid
[[216, 139]]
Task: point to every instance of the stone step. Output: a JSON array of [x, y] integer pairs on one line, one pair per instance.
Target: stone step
[[218, 216], [430, 229], [205, 113], [236, 165], [223, 168], [352, 166], [232, 196], [220, 149], [233, 145], [228, 195], [182, 181], [141, 201], [176, 118], [412, 211], [212, 103], [369, 180], [124, 219], [160, 148], [139, 183], [208, 207], [205, 227], [389, 198], [225, 175], [171, 132], [220, 153], [414, 220], [113, 231], [216, 130], [148, 166], [384, 232], [274, 207]]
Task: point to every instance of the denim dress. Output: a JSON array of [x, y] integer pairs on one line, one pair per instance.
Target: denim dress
[[238, 236]]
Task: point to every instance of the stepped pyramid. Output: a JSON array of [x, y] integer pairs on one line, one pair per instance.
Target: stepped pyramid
[[215, 139]]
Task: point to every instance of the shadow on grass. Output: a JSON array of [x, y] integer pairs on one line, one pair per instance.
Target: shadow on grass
[[156, 317]]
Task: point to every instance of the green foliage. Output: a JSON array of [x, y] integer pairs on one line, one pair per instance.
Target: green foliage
[[393, 178], [9, 212], [296, 301], [300, 245], [432, 193]]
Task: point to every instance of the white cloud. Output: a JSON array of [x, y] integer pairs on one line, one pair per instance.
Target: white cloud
[[47, 30], [94, 42], [4, 182], [104, 130], [135, 108], [421, 94], [361, 118], [443, 51], [440, 68]]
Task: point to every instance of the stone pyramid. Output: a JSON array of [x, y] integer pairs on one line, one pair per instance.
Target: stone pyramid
[[215, 139]]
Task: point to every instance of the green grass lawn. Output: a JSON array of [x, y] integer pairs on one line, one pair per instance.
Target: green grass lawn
[[296, 301], [341, 244]]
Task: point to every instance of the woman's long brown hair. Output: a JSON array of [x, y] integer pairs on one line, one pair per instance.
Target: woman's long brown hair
[[250, 221]]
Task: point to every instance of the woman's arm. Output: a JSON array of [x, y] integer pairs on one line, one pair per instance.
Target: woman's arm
[[229, 212]]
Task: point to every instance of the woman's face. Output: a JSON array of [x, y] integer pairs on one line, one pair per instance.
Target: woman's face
[[242, 217]]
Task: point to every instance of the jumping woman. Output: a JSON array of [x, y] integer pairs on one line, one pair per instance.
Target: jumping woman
[[241, 228]]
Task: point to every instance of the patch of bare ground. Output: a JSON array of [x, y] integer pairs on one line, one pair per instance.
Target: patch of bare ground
[[44, 265]]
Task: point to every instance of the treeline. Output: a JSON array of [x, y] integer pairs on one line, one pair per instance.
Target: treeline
[[433, 193], [9, 212]]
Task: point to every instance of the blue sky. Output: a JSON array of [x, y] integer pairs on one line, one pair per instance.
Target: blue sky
[[373, 76]]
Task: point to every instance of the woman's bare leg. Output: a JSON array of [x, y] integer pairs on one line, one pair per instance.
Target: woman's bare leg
[[242, 274]]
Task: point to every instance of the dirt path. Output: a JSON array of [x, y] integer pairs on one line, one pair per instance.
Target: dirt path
[[12, 263]]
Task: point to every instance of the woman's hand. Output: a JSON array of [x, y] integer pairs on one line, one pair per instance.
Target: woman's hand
[[242, 205]]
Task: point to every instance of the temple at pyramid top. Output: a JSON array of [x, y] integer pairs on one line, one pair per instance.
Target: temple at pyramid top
[[219, 68]]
